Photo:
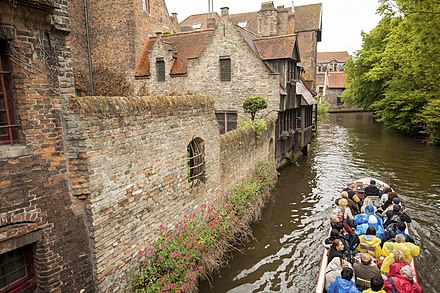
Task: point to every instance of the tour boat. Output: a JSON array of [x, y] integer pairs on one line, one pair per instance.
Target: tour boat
[[360, 185]]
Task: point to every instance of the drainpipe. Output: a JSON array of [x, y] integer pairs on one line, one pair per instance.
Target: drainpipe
[[89, 53]]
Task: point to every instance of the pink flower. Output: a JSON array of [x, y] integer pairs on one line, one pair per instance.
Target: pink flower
[[200, 269], [167, 287], [184, 286], [182, 265]]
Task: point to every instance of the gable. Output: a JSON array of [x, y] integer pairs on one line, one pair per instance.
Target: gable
[[308, 17]]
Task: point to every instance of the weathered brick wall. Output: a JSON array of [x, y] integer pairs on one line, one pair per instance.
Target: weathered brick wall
[[128, 158], [249, 75], [118, 30], [35, 202], [332, 97], [307, 42]]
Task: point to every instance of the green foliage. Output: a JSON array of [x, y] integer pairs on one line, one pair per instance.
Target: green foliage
[[431, 116], [173, 264], [252, 104], [323, 107], [396, 71], [259, 125]]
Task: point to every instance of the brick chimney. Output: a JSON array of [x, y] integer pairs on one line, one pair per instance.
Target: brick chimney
[[225, 11], [210, 22], [267, 19], [282, 20]]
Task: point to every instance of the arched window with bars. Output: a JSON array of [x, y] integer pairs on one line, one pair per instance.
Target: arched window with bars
[[196, 161]]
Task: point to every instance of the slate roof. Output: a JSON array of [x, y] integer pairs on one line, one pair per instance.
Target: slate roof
[[188, 45], [308, 17], [336, 80], [278, 47], [199, 18], [324, 57]]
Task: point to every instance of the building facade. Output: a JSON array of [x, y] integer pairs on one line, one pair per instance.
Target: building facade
[[331, 80]]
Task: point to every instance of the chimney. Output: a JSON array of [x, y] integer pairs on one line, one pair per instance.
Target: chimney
[[225, 11], [158, 35], [174, 22], [211, 22], [267, 19], [282, 20]]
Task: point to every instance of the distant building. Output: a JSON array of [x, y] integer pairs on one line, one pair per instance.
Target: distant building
[[330, 77]]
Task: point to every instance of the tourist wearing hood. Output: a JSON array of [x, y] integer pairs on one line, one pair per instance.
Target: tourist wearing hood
[[372, 222], [363, 218], [370, 243], [343, 283], [334, 269]]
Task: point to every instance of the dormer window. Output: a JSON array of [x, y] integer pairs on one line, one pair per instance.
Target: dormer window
[[197, 25], [243, 24]]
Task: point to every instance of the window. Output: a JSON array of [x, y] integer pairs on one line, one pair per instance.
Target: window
[[339, 101], [196, 161], [227, 121], [319, 68], [16, 271], [225, 69], [242, 24], [8, 129], [197, 25], [160, 69], [146, 6]]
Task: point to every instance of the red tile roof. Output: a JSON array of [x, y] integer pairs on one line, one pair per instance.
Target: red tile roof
[[199, 18], [336, 80], [278, 47], [188, 45], [329, 56], [308, 17]]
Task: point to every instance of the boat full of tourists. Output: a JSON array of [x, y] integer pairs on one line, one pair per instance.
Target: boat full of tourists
[[376, 205]]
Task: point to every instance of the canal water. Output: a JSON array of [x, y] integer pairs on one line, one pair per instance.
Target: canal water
[[286, 252]]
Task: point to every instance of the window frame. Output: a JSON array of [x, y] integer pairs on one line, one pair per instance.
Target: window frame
[[8, 127], [225, 121], [225, 72], [28, 281], [196, 161], [160, 70], [146, 6]]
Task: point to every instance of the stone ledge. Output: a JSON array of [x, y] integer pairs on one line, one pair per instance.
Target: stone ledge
[[12, 151]]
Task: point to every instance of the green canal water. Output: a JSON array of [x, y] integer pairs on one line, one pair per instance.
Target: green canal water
[[286, 251]]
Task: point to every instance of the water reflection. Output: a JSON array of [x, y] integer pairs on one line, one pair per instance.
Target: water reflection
[[286, 251]]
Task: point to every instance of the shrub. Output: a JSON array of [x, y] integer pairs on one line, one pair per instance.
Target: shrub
[[253, 104]]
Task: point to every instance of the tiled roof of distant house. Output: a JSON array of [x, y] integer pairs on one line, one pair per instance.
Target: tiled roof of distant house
[[194, 20], [308, 17], [250, 18], [188, 45], [336, 80], [329, 56], [279, 47]]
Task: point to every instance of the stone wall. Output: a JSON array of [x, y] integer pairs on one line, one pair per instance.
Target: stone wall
[[36, 207], [250, 76], [118, 30], [332, 97], [128, 161]]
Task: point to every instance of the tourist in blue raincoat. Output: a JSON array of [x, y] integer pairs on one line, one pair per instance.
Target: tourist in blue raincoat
[[343, 283]]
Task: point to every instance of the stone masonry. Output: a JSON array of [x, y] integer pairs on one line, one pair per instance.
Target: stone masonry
[[128, 157]]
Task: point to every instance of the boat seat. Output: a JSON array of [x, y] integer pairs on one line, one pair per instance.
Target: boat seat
[[362, 284]]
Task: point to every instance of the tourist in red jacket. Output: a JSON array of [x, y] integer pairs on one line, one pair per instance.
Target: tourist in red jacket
[[403, 282]]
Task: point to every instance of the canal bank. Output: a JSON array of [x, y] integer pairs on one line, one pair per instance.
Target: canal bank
[[285, 254]]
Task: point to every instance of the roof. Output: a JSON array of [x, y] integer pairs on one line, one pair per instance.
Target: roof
[[336, 80], [250, 17], [279, 47], [188, 45], [308, 17], [306, 95], [323, 57], [199, 18]]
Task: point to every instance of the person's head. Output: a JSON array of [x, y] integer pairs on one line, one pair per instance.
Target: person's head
[[343, 202], [352, 186], [369, 209], [400, 238], [344, 194], [396, 200], [400, 225], [387, 190], [347, 273], [340, 227], [334, 218], [397, 208], [337, 245], [372, 182], [392, 195], [371, 231], [399, 256], [366, 259], [372, 220], [367, 201], [407, 271], [376, 283], [334, 234]]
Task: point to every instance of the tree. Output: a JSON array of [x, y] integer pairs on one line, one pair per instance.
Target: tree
[[252, 104]]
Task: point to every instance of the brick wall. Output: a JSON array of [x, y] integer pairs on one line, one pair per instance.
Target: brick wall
[[118, 30], [249, 74], [35, 202], [128, 158], [307, 42]]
